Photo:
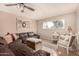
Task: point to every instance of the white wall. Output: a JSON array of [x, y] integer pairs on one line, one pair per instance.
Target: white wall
[[8, 23], [77, 21], [69, 21], [77, 16]]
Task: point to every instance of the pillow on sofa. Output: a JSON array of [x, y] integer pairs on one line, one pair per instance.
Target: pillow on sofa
[[31, 33], [15, 37], [8, 38]]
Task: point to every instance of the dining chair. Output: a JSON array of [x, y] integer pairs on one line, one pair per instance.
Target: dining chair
[[66, 42]]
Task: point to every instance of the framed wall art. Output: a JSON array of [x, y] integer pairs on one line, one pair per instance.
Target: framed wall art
[[22, 25]]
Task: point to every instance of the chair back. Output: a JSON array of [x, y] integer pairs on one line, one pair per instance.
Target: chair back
[[71, 41], [55, 35]]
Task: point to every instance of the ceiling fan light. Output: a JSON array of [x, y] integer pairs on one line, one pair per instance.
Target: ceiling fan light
[[18, 6], [21, 6], [22, 9]]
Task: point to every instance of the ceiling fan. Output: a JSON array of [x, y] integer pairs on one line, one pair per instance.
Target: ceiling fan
[[21, 6]]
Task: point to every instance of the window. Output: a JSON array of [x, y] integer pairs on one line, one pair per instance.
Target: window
[[53, 24], [48, 25]]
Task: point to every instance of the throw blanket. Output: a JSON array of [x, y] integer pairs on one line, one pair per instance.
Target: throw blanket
[[4, 50], [20, 49]]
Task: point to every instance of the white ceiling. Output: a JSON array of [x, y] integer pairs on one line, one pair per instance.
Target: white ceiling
[[42, 10]]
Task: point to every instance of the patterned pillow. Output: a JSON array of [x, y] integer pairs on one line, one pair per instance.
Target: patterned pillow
[[8, 38]]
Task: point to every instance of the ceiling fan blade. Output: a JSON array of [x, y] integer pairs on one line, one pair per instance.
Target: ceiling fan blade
[[29, 8], [10, 4]]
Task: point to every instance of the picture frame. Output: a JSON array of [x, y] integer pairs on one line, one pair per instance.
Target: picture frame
[[22, 25]]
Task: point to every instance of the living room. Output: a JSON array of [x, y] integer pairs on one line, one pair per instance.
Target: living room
[[43, 22]]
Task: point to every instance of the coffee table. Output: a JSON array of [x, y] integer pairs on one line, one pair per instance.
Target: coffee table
[[34, 43]]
